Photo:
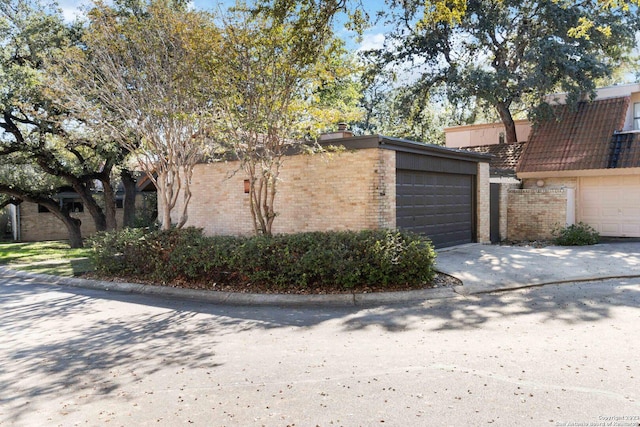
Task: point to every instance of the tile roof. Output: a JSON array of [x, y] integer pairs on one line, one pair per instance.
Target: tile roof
[[581, 138], [505, 157]]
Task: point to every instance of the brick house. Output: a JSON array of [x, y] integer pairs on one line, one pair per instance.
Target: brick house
[[31, 222], [375, 182], [582, 166]]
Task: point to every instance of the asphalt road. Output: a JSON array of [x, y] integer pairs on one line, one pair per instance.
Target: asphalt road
[[554, 355]]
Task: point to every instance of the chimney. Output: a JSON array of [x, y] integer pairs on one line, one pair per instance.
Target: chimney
[[342, 132]]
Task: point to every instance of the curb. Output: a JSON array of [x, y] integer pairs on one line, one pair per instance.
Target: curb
[[234, 298]]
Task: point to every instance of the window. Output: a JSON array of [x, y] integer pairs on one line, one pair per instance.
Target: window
[[119, 203], [636, 116], [73, 205]]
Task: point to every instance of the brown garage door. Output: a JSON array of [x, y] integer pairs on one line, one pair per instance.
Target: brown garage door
[[438, 205]]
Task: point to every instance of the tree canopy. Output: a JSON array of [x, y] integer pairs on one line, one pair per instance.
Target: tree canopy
[[282, 79], [38, 131], [139, 75], [507, 52]]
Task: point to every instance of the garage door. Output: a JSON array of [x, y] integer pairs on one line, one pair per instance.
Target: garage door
[[611, 204], [438, 205]]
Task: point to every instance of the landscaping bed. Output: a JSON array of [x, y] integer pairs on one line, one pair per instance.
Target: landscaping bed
[[440, 280], [305, 263]]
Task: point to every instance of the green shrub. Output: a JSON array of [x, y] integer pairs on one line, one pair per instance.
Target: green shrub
[[112, 251], [579, 234], [164, 255], [343, 259], [308, 260]]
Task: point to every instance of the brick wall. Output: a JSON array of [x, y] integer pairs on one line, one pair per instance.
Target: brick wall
[[504, 206], [483, 203], [351, 190], [334, 191], [38, 226], [533, 213]]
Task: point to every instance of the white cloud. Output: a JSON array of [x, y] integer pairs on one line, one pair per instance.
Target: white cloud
[[71, 10], [70, 14], [371, 41]]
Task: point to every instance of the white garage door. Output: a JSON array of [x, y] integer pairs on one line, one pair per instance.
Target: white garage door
[[611, 204]]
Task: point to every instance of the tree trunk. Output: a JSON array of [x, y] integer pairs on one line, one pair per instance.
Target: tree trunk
[[186, 195], [163, 201], [73, 228], [72, 224], [129, 183], [507, 120], [92, 206], [109, 205]]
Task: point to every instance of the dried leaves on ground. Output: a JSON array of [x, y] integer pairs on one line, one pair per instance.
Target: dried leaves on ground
[[440, 280]]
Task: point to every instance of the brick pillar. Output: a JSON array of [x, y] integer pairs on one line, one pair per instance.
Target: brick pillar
[[483, 212]]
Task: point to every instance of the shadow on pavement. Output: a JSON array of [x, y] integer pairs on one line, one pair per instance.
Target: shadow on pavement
[[185, 333]]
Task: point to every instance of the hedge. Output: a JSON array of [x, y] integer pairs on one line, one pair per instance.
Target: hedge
[[309, 260]]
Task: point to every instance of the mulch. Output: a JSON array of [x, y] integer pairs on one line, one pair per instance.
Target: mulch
[[440, 280]]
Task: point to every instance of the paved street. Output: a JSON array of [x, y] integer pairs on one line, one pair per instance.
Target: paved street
[[553, 355]]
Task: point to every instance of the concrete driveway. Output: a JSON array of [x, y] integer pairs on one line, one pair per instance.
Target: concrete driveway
[[485, 268]]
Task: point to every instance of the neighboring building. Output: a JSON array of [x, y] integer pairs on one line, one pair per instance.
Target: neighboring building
[[504, 159], [32, 222], [375, 182], [483, 134], [583, 165]]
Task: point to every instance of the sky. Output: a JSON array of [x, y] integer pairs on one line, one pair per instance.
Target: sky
[[372, 37]]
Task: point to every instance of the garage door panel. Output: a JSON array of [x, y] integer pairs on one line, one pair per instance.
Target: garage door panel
[[629, 213], [438, 205], [606, 212], [630, 229], [611, 204], [609, 229]]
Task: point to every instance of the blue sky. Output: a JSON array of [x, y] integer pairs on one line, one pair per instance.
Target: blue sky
[[372, 38]]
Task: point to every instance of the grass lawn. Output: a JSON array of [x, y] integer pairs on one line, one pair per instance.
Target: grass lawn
[[53, 257]]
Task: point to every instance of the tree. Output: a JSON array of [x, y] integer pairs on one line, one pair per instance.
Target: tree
[[270, 82], [33, 120], [336, 91], [140, 75], [21, 182], [400, 112], [508, 52], [454, 11]]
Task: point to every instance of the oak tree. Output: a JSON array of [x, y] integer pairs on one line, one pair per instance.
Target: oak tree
[[507, 52], [35, 125]]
